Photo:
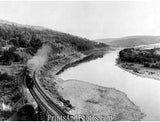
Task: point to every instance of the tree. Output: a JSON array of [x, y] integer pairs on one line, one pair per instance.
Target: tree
[[35, 42], [15, 42]]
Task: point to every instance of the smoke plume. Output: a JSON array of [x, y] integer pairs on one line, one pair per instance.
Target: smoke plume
[[40, 58]]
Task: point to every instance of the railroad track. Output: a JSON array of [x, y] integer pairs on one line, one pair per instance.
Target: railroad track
[[45, 101]]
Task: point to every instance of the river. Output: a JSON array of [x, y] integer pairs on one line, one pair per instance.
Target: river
[[144, 92]]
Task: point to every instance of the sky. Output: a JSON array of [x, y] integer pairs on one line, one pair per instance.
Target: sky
[[89, 19]]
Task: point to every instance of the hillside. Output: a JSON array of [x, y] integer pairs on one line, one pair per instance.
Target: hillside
[[131, 41], [22, 45], [20, 40]]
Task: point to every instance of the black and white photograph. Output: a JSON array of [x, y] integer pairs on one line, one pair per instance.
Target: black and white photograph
[[80, 60]]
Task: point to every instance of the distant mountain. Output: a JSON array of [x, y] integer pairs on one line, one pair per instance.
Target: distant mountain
[[131, 41]]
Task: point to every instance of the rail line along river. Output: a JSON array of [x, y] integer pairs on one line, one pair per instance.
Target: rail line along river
[[144, 92]]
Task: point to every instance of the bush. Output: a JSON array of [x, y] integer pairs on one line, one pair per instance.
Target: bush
[[5, 76], [31, 50], [15, 42], [146, 64], [35, 42], [9, 56]]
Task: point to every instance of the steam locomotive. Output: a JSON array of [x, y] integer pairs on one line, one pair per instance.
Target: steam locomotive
[[27, 78]]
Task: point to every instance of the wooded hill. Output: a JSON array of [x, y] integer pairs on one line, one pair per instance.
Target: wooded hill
[[15, 37]]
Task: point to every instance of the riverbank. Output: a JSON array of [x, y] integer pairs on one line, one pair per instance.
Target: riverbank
[[49, 72], [141, 61], [140, 70], [89, 99], [89, 56]]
